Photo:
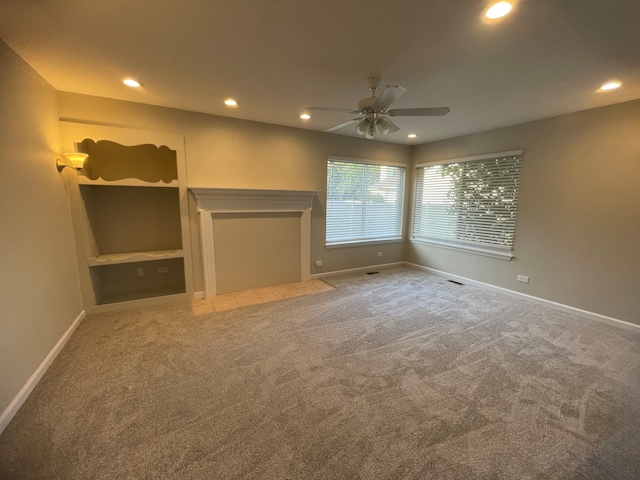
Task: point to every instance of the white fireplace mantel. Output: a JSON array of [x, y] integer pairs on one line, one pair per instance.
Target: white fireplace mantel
[[213, 201]]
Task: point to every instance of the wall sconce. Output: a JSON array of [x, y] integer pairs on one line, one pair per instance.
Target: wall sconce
[[77, 158]]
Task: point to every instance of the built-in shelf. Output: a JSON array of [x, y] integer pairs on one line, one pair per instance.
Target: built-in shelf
[[139, 295], [126, 182], [133, 257], [135, 239], [120, 282]]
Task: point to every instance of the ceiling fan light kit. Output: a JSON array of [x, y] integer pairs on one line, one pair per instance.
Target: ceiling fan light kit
[[374, 111], [362, 126], [371, 132], [384, 126]]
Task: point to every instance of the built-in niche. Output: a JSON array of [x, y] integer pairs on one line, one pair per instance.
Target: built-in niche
[[123, 282], [132, 205]]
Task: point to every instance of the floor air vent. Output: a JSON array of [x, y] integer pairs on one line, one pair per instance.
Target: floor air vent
[[453, 281]]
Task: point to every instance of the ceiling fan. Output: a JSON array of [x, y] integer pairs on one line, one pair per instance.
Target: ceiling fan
[[374, 111]]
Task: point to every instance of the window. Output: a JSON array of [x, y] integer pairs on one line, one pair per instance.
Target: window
[[364, 201], [469, 204]]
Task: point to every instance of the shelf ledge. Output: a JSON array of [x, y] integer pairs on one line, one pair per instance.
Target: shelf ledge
[[126, 182], [133, 257]]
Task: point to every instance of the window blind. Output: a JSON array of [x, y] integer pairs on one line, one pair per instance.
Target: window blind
[[364, 202], [471, 204]]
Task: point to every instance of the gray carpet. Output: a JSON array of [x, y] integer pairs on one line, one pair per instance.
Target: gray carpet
[[400, 375]]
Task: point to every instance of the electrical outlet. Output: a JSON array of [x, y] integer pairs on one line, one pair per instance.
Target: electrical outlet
[[379, 254], [318, 263], [163, 269], [523, 278], [140, 272]]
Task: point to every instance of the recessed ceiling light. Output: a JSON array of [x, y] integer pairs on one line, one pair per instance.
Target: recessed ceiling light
[[412, 135], [305, 116], [498, 10], [610, 86], [130, 82], [230, 102]]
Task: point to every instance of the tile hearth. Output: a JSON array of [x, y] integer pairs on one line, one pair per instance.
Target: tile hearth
[[231, 301]]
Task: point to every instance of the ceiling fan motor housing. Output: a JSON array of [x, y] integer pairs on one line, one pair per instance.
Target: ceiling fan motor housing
[[366, 103]]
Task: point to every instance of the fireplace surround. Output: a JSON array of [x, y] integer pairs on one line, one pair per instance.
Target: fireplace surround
[[212, 201]]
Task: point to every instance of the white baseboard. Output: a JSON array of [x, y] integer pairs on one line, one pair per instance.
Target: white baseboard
[[541, 301], [28, 387], [356, 270], [200, 294]]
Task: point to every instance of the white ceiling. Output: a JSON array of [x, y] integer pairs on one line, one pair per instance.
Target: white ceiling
[[277, 56]]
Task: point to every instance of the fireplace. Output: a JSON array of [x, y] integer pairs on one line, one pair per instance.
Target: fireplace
[[247, 212]]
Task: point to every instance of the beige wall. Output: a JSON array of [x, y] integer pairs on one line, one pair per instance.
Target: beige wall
[[39, 291], [578, 226], [225, 152]]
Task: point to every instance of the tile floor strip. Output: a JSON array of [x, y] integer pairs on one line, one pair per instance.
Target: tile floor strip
[[231, 301]]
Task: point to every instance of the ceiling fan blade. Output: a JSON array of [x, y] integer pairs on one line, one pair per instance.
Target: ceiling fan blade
[[418, 112], [330, 109], [389, 94], [344, 124]]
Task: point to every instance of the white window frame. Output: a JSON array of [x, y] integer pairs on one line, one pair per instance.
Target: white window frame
[[504, 253], [401, 197]]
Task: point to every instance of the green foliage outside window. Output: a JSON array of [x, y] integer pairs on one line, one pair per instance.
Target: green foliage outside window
[[351, 181], [484, 199]]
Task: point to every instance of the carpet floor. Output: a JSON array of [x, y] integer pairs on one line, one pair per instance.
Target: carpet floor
[[399, 375]]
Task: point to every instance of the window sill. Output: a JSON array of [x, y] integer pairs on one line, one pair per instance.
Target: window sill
[[502, 254], [359, 243]]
